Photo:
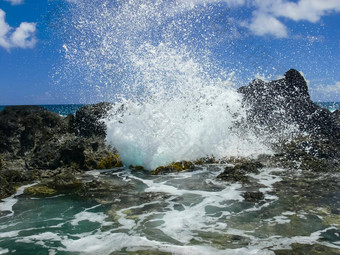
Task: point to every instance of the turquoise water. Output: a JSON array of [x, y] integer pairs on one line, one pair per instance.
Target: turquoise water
[[332, 106], [186, 213], [62, 109], [65, 109]]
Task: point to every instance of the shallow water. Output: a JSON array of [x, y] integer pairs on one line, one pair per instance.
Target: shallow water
[[186, 213]]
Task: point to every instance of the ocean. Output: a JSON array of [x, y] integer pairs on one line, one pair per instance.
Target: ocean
[[65, 109]]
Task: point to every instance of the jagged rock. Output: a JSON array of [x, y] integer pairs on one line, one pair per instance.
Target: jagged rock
[[5, 188], [238, 173], [39, 190], [253, 196], [87, 121], [336, 115], [305, 134], [173, 168], [275, 104], [23, 128]]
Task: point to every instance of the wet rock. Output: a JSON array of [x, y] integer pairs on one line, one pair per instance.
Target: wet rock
[[111, 161], [312, 249], [253, 196], [6, 189], [336, 115], [275, 104], [233, 174], [303, 134], [174, 168], [238, 172], [39, 190], [87, 121]]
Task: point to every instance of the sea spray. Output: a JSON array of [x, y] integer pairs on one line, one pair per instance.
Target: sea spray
[[183, 114], [172, 100]]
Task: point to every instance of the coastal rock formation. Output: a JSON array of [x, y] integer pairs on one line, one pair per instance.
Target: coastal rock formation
[[34, 139], [307, 136], [87, 120], [285, 101]]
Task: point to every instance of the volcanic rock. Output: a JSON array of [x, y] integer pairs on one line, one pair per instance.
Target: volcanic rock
[[87, 121], [275, 104]]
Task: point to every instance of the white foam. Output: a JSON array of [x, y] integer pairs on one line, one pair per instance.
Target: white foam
[[3, 251], [40, 238], [9, 234], [9, 202]]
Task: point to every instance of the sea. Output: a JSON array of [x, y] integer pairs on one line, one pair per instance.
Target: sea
[[66, 109]]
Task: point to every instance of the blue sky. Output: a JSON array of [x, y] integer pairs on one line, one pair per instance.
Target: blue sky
[[262, 38]]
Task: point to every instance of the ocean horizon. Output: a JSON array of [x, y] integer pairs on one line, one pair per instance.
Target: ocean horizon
[[65, 109]]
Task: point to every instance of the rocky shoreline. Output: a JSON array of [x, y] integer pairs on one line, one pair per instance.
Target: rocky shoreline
[[39, 145]]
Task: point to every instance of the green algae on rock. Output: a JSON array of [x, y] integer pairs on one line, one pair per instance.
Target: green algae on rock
[[173, 168], [111, 161], [39, 190]]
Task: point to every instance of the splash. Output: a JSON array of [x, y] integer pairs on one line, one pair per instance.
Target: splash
[[153, 59]]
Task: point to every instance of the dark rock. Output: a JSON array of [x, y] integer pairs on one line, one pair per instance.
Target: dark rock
[[22, 128], [6, 189], [304, 134], [253, 196], [233, 174], [336, 115], [276, 104], [238, 173], [87, 121], [173, 168]]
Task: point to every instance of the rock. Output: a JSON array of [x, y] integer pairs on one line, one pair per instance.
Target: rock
[[33, 140], [305, 135], [233, 174], [6, 189], [173, 168], [276, 104], [23, 128], [111, 161], [238, 173], [39, 190], [336, 115], [87, 121], [254, 196]]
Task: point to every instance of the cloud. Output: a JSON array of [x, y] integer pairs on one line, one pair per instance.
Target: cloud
[[265, 17], [264, 24], [326, 93], [309, 10], [21, 37], [15, 2]]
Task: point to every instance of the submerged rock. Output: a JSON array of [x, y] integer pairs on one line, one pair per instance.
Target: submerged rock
[[253, 196]]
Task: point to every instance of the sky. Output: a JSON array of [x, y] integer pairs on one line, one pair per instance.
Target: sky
[[254, 38]]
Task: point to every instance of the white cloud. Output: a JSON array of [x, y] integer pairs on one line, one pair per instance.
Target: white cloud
[[310, 10], [265, 17], [264, 24], [326, 93], [15, 2], [22, 37]]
